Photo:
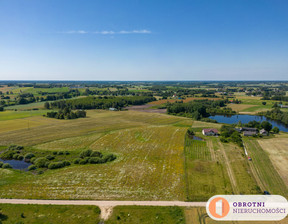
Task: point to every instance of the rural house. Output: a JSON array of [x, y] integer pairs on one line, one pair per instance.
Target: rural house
[[263, 132], [210, 132]]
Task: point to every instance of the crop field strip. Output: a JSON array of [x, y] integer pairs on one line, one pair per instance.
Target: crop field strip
[[149, 149], [204, 177], [264, 169], [244, 179]]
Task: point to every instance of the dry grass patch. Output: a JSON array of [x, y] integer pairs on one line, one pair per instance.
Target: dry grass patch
[[278, 153]]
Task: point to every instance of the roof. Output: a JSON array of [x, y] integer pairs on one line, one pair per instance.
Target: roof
[[248, 129], [249, 133], [263, 131], [210, 130]]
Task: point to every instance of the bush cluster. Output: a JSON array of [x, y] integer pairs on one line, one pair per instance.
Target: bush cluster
[[12, 152], [5, 165], [229, 134], [93, 157]]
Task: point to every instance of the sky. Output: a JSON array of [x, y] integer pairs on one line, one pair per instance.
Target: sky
[[143, 40]]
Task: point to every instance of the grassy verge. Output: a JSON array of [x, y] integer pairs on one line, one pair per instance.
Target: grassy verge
[[38, 214], [199, 216], [146, 215]]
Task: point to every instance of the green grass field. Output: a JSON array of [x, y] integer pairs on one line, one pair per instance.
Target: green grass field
[[43, 214], [149, 150], [204, 177], [146, 215], [11, 115], [35, 91], [39, 105]]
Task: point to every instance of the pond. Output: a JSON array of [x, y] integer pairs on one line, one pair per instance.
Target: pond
[[244, 118], [17, 164], [197, 138]]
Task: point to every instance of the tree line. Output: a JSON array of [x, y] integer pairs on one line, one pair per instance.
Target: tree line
[[199, 109], [101, 102]]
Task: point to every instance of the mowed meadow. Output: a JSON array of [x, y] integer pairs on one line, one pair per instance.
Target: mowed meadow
[[149, 149]]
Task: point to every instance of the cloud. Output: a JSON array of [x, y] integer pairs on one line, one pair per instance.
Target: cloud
[[108, 32], [135, 31]]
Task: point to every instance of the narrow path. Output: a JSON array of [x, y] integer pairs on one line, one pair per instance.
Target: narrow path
[[210, 146], [229, 170]]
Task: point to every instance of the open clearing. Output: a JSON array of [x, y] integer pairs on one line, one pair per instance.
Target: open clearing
[[149, 149], [278, 154]]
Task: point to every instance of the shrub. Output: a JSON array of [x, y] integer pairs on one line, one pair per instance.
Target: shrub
[[96, 154], [95, 160], [275, 130], [109, 158], [56, 165], [20, 157], [29, 156], [33, 160], [67, 153], [7, 154], [66, 163], [49, 157], [54, 153], [15, 147], [15, 156], [83, 161], [41, 162], [32, 167], [6, 166], [85, 153], [1, 164], [76, 161], [223, 139], [60, 153], [190, 132]]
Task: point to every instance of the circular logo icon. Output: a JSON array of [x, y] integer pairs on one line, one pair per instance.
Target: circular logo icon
[[219, 207]]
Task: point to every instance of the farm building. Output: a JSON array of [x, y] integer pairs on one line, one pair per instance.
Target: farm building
[[249, 129], [210, 132], [249, 133], [263, 132], [112, 109]]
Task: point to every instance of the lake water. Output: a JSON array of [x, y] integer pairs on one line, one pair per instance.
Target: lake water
[[17, 164], [246, 118]]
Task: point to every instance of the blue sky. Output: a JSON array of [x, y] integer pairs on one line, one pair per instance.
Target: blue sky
[[144, 39]]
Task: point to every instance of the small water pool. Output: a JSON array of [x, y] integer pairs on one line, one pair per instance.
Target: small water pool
[[197, 138], [17, 164]]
